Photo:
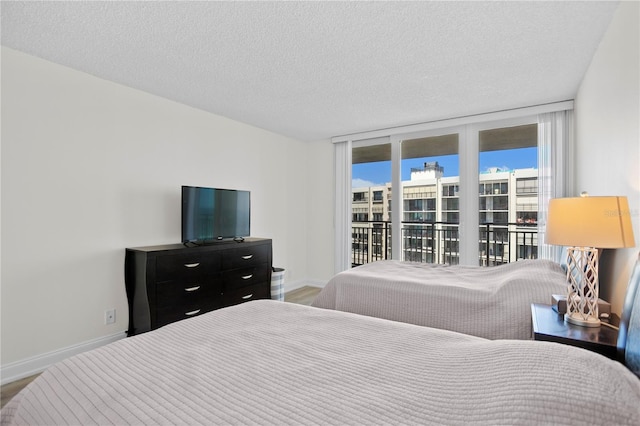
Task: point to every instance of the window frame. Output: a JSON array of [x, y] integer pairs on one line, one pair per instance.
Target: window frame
[[469, 129]]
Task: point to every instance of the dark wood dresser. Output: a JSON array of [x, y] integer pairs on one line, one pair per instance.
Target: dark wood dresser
[[168, 283]]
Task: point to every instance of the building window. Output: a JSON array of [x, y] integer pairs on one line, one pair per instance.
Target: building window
[[450, 190], [360, 217], [450, 204], [359, 197], [527, 186]]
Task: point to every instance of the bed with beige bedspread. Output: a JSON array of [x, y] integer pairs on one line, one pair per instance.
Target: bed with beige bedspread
[[491, 302], [274, 363]]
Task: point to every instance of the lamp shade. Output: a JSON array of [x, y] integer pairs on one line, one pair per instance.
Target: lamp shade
[[600, 222]]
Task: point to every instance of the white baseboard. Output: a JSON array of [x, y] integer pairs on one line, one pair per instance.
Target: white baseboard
[[37, 364]]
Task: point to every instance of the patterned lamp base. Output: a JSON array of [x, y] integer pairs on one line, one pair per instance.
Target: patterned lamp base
[[582, 277]]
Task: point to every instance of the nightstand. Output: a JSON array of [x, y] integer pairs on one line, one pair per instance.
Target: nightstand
[[549, 326]]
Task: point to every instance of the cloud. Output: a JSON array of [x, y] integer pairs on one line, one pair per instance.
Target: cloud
[[361, 183]]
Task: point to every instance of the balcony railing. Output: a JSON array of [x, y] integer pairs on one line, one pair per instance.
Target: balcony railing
[[439, 242]]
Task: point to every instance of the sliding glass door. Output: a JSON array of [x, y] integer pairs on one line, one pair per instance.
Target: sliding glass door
[[430, 199], [508, 194], [457, 192], [440, 216], [371, 203]]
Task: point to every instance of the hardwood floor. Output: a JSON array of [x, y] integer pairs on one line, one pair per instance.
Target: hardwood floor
[[301, 296], [11, 389]]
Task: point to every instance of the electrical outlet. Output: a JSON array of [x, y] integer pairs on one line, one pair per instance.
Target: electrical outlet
[[110, 316]]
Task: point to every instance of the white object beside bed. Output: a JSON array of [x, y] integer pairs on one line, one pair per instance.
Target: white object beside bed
[[266, 362], [491, 302]]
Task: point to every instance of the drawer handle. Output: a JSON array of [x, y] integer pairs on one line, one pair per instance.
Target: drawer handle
[[246, 277], [192, 265], [247, 257], [192, 288], [248, 296], [192, 312]]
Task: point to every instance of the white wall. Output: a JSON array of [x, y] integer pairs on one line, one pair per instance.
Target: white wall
[[607, 111], [90, 167]]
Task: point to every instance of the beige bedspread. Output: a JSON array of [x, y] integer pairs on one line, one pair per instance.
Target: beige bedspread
[[493, 302], [273, 363]]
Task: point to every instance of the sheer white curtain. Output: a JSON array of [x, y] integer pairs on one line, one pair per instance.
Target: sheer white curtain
[[342, 215], [555, 170]]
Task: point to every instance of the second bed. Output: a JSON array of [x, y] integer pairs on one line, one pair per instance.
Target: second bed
[[490, 302]]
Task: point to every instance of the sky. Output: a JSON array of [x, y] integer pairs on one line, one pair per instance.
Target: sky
[[379, 173]]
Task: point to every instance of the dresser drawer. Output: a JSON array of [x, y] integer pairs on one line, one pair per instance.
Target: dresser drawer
[[246, 256], [245, 294], [186, 265], [172, 313], [186, 293], [244, 277]]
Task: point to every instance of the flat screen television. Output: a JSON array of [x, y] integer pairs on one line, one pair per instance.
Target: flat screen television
[[212, 214]]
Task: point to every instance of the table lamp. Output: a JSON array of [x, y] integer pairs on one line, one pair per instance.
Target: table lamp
[[586, 224]]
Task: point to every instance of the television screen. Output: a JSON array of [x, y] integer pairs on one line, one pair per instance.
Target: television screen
[[213, 214]]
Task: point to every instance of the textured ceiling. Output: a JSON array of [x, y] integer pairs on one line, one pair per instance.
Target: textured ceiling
[[312, 70]]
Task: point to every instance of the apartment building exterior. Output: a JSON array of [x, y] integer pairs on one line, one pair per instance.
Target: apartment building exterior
[[508, 209]]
